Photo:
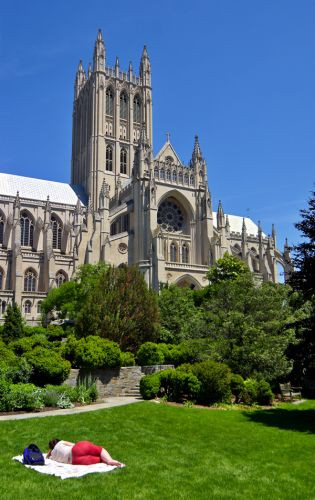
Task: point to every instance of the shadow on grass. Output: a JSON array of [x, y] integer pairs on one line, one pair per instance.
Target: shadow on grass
[[293, 420]]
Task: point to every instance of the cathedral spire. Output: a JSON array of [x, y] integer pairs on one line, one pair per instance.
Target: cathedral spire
[[220, 216], [197, 155], [117, 67], [80, 79], [99, 53], [244, 230], [145, 67]]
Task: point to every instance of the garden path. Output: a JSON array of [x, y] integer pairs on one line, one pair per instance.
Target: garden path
[[109, 403]]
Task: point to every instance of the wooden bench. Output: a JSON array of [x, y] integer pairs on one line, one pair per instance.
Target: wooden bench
[[289, 393]]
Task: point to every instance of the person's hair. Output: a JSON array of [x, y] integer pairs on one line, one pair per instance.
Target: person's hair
[[53, 443]]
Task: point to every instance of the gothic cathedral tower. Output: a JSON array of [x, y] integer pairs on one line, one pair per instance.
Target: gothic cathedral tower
[[110, 108]]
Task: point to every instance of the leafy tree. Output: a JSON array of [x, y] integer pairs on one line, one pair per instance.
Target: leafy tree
[[180, 318], [303, 278], [250, 327], [227, 268], [13, 323]]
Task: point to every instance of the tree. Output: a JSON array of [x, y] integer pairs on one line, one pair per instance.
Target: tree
[[180, 318], [227, 268], [13, 323], [250, 327], [303, 278], [120, 307], [114, 303]]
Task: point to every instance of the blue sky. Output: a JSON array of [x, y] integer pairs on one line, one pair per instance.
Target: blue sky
[[240, 74]]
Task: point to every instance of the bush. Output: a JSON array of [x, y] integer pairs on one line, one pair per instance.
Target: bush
[[265, 395], [68, 349], [20, 372], [26, 344], [58, 390], [249, 392], [237, 386], [4, 390], [178, 385], [215, 381], [13, 323], [96, 352], [29, 331], [55, 333], [150, 386], [150, 354], [7, 356], [48, 366], [64, 402], [24, 397], [127, 359]]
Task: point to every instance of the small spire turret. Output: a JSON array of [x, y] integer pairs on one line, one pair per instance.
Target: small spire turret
[[90, 70], [130, 71], [220, 216], [145, 67], [117, 67], [196, 155], [99, 53]]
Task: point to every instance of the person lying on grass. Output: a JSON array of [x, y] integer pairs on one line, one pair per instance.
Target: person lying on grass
[[81, 453]]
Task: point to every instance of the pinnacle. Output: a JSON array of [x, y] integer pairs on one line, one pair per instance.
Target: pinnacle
[[144, 52], [99, 36]]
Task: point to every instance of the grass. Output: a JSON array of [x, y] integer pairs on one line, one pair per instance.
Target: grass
[[173, 453]]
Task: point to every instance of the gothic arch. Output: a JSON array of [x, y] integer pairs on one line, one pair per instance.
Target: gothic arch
[[27, 228], [181, 199], [188, 281]]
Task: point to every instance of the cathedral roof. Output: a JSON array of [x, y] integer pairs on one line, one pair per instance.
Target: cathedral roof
[[39, 189], [236, 223]]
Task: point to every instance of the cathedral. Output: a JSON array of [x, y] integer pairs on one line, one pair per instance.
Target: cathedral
[[124, 204]]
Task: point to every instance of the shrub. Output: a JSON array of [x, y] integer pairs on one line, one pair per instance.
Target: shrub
[[26, 344], [48, 366], [29, 331], [24, 397], [13, 323], [68, 349], [150, 354], [64, 402], [4, 390], [51, 397], [127, 359], [20, 372], [249, 392], [237, 386], [55, 332], [215, 381], [7, 356], [71, 392], [264, 393], [96, 352], [178, 385], [150, 386]]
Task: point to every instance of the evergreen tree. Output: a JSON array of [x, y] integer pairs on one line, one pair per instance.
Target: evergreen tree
[[13, 323], [303, 278]]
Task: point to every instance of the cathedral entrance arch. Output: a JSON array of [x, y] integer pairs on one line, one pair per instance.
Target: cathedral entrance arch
[[188, 281]]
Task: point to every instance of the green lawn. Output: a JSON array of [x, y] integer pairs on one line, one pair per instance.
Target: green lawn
[[173, 452]]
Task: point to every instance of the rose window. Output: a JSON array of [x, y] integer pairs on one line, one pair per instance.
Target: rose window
[[170, 216]]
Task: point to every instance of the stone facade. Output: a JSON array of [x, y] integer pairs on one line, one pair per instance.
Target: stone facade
[[124, 205], [116, 382]]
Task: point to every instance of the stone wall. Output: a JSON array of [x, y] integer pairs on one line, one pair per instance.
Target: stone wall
[[122, 381]]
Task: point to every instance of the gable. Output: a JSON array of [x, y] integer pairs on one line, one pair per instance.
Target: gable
[[168, 151]]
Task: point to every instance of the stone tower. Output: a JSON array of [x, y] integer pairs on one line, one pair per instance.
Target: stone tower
[[109, 110]]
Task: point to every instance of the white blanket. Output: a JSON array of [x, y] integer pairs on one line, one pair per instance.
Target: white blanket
[[65, 471]]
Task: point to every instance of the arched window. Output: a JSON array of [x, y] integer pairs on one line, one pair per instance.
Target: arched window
[[162, 174], [1, 278], [120, 225], [27, 307], [39, 307], [156, 173], [185, 253], [109, 158], [192, 180], [123, 161], [168, 175], [170, 216], [173, 252], [174, 176], [3, 307], [27, 230], [180, 177], [137, 109], [1, 228], [57, 232], [186, 179], [109, 102], [123, 106], [60, 278], [29, 281]]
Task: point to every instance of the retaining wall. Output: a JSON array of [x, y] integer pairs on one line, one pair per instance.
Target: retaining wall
[[123, 381]]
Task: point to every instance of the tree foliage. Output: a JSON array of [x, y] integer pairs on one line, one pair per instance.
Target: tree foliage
[[13, 323], [227, 268], [303, 278]]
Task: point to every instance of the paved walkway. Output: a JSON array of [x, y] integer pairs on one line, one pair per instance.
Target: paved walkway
[[109, 403]]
